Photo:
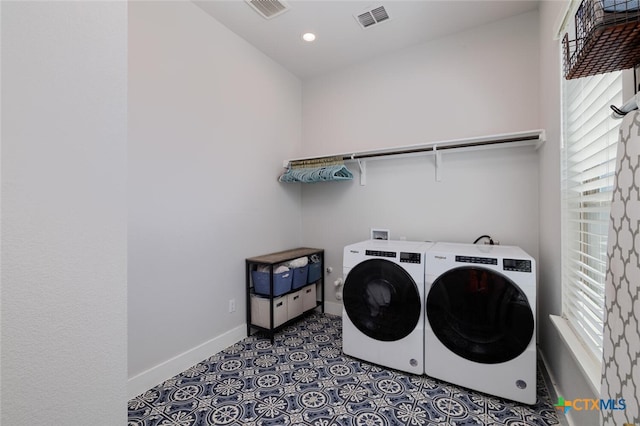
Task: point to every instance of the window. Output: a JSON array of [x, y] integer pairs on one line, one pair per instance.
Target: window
[[590, 137]]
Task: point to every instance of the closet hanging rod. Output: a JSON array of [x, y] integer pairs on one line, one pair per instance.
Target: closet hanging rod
[[531, 137]]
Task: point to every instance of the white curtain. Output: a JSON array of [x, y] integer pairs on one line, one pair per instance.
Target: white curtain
[[621, 346]]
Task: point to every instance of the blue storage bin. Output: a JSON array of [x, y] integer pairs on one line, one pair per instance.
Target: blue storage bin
[[315, 272], [281, 282], [299, 277]]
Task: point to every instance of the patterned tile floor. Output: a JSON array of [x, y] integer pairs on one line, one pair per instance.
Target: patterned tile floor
[[304, 379]]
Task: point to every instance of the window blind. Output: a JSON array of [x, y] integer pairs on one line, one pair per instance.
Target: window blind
[[590, 136]]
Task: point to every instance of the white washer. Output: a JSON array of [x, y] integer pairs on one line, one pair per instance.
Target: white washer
[[480, 329], [383, 303]]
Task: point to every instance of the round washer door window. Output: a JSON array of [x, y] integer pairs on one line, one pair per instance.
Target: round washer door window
[[382, 300], [480, 315]]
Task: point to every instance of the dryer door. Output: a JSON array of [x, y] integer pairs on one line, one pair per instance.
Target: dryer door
[[382, 300], [480, 314]]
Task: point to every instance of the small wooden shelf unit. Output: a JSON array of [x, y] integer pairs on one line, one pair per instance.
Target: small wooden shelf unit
[[258, 305]]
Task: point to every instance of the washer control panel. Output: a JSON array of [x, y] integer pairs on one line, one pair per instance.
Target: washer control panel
[[380, 253], [410, 257], [405, 257]]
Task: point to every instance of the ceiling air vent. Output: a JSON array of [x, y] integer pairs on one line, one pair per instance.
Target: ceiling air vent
[[268, 8], [372, 16]]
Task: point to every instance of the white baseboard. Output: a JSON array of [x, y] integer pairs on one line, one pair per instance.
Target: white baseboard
[[553, 389], [333, 308], [152, 377]]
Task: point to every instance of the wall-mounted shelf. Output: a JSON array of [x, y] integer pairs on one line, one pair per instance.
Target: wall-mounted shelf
[[607, 38], [533, 138]]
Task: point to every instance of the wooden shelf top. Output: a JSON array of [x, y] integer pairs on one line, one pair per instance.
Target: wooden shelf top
[[282, 256]]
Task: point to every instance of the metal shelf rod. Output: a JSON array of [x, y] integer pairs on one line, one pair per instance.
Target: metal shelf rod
[[532, 137]]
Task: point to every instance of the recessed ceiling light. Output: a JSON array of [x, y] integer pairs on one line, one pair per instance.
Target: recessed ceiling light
[[308, 37]]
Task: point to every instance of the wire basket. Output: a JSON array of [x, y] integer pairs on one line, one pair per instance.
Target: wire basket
[[607, 38]]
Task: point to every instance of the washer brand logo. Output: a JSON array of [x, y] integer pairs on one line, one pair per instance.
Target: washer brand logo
[[441, 257], [354, 251]]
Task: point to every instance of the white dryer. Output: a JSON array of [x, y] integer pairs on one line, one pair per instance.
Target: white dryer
[[383, 299], [480, 329]]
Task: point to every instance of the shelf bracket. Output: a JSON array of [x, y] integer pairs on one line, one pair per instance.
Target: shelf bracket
[[438, 160], [363, 171]]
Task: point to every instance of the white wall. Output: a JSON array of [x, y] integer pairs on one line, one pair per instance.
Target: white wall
[[210, 121], [63, 227], [488, 75], [567, 376], [479, 82]]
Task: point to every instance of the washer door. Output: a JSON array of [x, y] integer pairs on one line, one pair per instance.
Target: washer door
[[382, 300], [480, 315]]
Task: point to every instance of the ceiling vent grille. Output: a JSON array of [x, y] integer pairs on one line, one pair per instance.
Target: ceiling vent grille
[[372, 16], [268, 8]]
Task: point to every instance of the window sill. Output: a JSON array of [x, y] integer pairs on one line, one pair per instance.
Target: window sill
[[590, 368]]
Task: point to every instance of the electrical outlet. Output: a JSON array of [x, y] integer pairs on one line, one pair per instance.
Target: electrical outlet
[[232, 305]]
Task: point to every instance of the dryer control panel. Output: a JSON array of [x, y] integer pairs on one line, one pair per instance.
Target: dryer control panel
[[476, 259], [517, 265]]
